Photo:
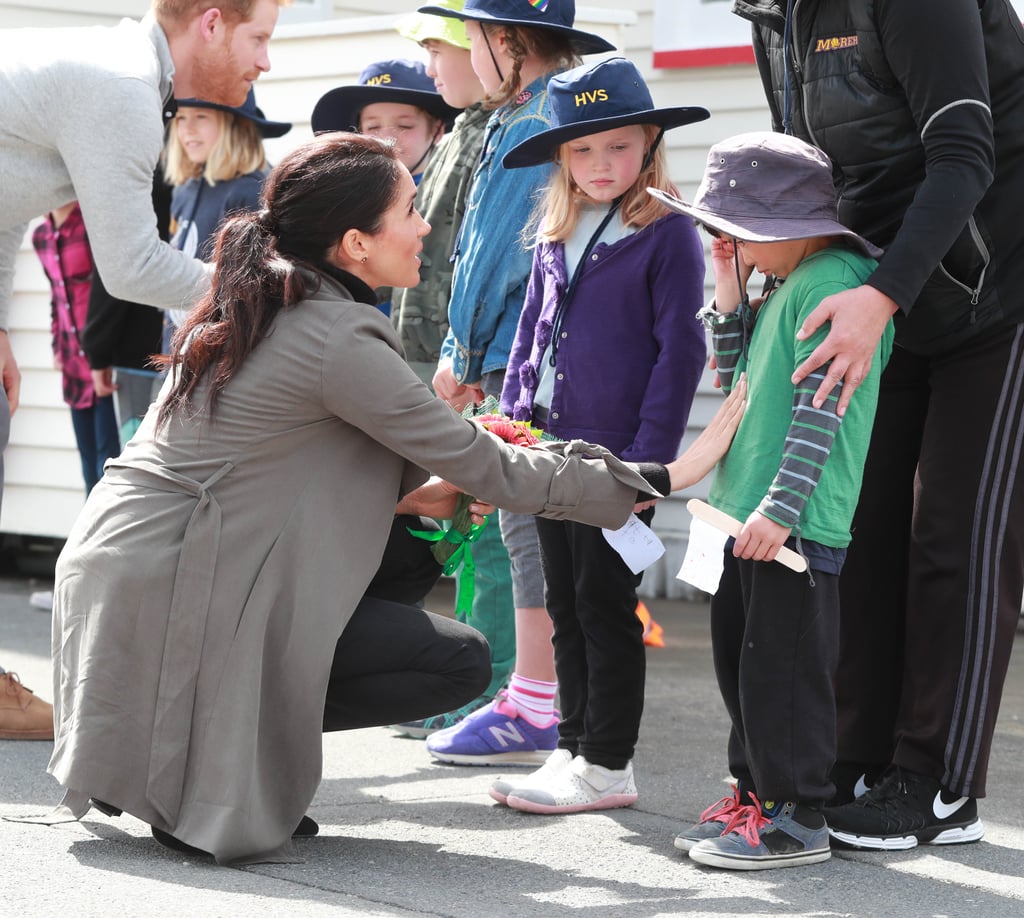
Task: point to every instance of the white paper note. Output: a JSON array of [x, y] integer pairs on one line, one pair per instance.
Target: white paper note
[[636, 543], [703, 563]]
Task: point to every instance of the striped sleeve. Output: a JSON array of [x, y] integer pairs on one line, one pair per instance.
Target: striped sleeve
[[728, 339], [808, 444]]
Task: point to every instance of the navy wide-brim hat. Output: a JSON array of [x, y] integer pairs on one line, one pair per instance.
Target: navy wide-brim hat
[[767, 187], [248, 109], [399, 81], [556, 15], [595, 98]]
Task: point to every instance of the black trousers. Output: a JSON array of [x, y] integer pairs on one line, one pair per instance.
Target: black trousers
[[395, 662], [775, 641], [931, 590], [600, 659]]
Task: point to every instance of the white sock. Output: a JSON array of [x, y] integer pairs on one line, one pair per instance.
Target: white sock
[[535, 700]]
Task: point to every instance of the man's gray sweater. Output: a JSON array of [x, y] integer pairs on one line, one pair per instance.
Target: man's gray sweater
[[81, 117]]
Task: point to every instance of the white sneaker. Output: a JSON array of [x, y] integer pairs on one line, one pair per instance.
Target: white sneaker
[[43, 599], [555, 764], [581, 786]]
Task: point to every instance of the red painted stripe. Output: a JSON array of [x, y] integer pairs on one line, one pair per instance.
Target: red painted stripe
[[705, 57]]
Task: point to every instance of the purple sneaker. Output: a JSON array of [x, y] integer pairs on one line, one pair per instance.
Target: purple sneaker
[[497, 734]]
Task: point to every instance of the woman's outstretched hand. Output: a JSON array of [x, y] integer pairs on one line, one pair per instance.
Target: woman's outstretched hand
[[713, 442]]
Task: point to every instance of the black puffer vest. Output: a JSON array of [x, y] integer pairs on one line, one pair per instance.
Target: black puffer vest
[[846, 100]]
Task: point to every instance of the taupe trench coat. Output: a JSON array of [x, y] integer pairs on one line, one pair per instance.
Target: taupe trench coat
[[203, 588]]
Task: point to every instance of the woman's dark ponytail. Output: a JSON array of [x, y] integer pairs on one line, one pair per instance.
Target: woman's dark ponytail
[[268, 260]]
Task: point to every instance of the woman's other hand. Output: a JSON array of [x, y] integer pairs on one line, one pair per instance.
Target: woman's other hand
[[437, 499]]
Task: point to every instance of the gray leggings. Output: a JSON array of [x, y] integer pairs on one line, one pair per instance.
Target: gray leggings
[[519, 533]]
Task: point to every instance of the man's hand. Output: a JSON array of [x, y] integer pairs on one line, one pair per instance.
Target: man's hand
[[103, 381], [9, 372], [760, 538], [859, 317]]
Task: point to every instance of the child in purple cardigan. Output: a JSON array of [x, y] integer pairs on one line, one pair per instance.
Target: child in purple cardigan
[[608, 350]]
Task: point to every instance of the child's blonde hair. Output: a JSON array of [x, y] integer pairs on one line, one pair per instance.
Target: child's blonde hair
[[545, 44], [238, 151], [562, 201]]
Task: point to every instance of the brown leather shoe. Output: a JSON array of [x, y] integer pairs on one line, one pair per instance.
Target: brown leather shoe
[[23, 716]]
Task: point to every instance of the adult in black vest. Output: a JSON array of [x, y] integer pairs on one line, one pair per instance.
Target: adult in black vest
[[920, 105]]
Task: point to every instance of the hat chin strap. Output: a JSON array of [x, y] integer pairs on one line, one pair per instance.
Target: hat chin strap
[[427, 151], [490, 51], [649, 158], [744, 296]]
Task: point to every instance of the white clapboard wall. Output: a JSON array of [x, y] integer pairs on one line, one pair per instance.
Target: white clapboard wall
[[43, 489]]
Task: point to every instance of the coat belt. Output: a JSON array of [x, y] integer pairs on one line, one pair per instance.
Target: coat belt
[[186, 630]]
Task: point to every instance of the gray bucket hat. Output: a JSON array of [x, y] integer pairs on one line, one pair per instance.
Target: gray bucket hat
[[767, 187]]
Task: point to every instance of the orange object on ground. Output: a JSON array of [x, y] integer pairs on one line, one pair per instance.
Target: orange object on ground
[[653, 632]]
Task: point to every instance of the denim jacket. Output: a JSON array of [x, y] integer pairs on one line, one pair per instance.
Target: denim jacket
[[492, 266]]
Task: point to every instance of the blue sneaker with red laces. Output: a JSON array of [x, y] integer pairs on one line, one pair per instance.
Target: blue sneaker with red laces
[[769, 835]]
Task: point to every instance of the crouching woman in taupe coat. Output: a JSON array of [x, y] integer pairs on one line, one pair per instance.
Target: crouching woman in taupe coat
[[211, 612]]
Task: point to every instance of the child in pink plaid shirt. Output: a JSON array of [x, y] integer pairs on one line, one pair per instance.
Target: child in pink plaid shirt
[[63, 248]]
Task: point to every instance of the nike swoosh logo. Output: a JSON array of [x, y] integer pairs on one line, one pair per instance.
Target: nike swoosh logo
[[861, 787], [945, 810]]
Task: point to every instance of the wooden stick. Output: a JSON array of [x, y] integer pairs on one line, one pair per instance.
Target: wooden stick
[[724, 522]]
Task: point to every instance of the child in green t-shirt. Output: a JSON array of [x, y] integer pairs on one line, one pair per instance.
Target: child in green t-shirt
[[792, 475]]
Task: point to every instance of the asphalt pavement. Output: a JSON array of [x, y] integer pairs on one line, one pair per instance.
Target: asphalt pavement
[[401, 835]]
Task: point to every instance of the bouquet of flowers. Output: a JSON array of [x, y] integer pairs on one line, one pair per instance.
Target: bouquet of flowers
[[451, 546], [518, 433]]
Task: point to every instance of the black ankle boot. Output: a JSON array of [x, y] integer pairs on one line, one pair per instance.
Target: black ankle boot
[[306, 828], [169, 841], [105, 808]]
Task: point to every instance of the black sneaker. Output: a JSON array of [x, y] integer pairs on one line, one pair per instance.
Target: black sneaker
[[853, 780], [903, 810]]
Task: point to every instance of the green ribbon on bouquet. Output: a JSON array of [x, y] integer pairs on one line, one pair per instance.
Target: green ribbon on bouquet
[[452, 551]]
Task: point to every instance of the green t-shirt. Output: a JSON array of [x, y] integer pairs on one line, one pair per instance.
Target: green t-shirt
[[751, 467]]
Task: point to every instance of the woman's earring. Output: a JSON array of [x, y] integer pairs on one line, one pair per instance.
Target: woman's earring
[[362, 260]]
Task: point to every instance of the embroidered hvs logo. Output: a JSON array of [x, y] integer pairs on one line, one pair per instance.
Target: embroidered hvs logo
[[835, 43], [588, 96], [381, 80]]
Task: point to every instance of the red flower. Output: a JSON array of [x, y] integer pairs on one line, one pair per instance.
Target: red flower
[[518, 433]]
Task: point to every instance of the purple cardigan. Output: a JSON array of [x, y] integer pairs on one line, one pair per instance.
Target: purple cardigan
[[631, 350]]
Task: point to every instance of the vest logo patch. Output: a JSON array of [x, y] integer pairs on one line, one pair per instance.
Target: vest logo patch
[[835, 43], [588, 96]]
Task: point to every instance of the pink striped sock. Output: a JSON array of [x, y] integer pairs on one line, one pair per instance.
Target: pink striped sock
[[535, 700]]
